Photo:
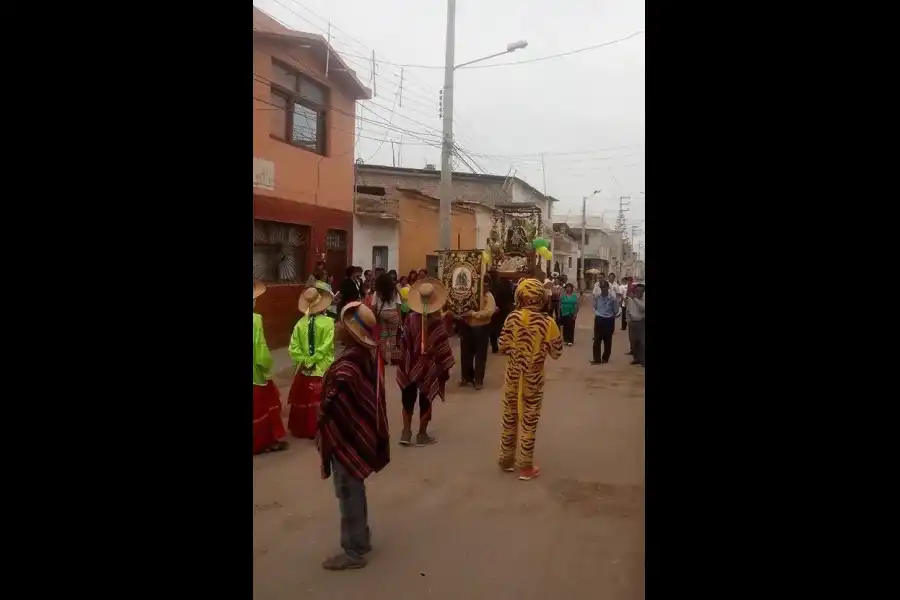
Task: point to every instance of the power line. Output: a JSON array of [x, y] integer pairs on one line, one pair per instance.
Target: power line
[[519, 62], [334, 38]]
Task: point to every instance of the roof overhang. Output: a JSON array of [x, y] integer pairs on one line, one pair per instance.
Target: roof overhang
[[338, 70]]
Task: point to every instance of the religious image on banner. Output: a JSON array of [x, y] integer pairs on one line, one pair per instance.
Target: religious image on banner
[[462, 273]]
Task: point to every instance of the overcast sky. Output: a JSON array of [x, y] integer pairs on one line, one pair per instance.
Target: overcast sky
[[584, 111]]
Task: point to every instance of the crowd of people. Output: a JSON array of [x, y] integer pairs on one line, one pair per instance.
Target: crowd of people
[[380, 319]]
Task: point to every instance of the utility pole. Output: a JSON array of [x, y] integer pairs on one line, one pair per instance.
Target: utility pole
[[549, 216], [584, 230], [447, 147], [621, 225]]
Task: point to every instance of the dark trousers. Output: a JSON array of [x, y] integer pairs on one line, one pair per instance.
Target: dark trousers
[[624, 320], [568, 329], [473, 345], [603, 334], [636, 334], [351, 494], [408, 398], [496, 326]]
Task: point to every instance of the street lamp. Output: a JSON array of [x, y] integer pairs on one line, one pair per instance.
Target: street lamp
[[447, 145], [584, 228]]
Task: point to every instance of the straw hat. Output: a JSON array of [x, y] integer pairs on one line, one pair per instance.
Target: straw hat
[[427, 296], [314, 300], [360, 321], [259, 288]]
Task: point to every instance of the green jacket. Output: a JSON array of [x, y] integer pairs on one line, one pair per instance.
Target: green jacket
[[262, 359], [313, 363]]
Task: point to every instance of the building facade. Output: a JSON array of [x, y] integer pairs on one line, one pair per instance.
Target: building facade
[[398, 228], [469, 189], [303, 145]]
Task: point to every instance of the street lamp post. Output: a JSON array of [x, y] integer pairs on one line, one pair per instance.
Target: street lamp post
[[446, 188]]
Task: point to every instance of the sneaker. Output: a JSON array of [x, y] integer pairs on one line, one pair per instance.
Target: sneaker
[[423, 439], [507, 466], [463, 382], [342, 562], [568, 343], [406, 437], [477, 385], [529, 473]]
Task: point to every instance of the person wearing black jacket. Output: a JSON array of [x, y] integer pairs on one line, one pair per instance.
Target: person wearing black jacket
[[503, 296], [351, 288]]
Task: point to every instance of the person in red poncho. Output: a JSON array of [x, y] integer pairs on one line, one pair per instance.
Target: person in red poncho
[[425, 357], [353, 438]]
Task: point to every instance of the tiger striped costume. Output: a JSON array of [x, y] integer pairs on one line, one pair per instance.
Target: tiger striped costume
[[527, 338]]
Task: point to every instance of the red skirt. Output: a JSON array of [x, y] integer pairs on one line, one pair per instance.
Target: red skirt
[[267, 426], [304, 400]]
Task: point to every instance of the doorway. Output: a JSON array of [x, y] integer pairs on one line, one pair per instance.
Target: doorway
[[380, 257]]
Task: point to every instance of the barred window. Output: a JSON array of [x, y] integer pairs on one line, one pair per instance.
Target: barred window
[[336, 239], [279, 251]]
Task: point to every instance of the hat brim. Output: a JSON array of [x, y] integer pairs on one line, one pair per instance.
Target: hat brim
[[354, 327], [259, 288], [325, 300], [438, 300]]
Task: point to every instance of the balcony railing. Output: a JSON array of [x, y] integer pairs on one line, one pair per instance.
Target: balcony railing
[[383, 207]]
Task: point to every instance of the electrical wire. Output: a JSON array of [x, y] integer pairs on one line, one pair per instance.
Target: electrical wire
[[384, 139], [519, 62]]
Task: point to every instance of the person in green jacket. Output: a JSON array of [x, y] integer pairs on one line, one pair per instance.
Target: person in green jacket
[[568, 310], [312, 351], [268, 430]]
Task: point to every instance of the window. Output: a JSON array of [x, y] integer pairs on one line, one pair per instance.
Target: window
[[300, 108], [336, 239], [570, 262], [279, 252]]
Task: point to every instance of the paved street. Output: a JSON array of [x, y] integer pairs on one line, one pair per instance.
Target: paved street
[[447, 524]]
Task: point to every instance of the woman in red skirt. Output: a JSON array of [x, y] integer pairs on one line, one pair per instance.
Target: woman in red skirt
[[268, 430], [312, 350]]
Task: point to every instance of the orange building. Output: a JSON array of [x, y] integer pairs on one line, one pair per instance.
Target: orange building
[[401, 228], [420, 230], [303, 170]]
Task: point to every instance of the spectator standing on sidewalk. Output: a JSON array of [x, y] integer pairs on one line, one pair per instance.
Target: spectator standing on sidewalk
[[636, 330], [568, 311], [606, 309]]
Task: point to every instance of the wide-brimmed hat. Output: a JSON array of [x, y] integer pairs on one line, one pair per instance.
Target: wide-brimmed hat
[[427, 296], [360, 321], [314, 300], [259, 288]]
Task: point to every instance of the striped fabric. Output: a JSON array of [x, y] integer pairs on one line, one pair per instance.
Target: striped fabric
[[353, 425], [429, 371]]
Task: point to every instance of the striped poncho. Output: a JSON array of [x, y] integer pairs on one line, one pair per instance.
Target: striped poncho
[[353, 426], [428, 371]]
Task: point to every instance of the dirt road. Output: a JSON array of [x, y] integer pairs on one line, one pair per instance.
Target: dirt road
[[447, 524]]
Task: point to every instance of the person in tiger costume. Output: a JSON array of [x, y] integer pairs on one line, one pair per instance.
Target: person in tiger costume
[[528, 337]]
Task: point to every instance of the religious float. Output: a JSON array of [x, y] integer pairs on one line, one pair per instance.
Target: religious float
[[514, 250]]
